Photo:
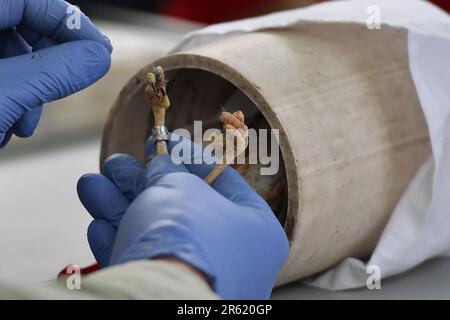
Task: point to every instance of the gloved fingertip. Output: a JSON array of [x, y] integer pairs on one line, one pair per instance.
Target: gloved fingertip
[[91, 185], [101, 198], [126, 173], [101, 237], [84, 179], [78, 64], [26, 126], [22, 130], [59, 71], [98, 56], [88, 187], [85, 185], [108, 44]]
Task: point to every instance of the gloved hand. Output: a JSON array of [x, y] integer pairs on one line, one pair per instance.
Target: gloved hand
[[227, 231], [43, 58]]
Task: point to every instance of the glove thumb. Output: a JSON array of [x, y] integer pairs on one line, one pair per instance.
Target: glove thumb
[[53, 73]]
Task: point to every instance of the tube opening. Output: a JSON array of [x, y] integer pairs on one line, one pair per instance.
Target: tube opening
[[198, 95]]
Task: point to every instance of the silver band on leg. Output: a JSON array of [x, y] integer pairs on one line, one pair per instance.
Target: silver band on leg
[[159, 133]]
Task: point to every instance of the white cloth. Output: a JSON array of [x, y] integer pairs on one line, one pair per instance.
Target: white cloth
[[419, 226]]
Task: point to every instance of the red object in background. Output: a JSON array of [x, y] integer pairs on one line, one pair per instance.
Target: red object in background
[[444, 4], [212, 11], [84, 271]]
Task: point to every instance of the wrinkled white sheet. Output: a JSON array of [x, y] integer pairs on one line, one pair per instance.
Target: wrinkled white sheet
[[419, 227]]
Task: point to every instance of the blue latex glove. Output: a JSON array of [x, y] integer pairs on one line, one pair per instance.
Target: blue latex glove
[[42, 59], [165, 210]]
